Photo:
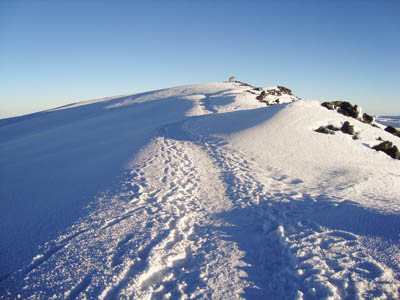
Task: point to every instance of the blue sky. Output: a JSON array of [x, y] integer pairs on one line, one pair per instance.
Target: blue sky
[[62, 51]]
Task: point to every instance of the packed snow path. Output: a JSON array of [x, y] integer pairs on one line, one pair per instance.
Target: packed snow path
[[196, 217]]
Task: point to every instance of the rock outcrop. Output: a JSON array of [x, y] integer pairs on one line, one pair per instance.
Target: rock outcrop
[[285, 90], [393, 131], [322, 129], [388, 148], [347, 128], [344, 108], [354, 111], [367, 118], [331, 129], [271, 96], [262, 96], [349, 110]]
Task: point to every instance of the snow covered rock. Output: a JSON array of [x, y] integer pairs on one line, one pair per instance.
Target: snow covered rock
[[262, 96], [284, 90], [274, 95]]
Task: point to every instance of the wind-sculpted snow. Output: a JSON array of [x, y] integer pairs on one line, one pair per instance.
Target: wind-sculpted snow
[[214, 196]]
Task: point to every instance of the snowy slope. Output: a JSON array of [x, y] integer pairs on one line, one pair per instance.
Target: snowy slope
[[196, 192]]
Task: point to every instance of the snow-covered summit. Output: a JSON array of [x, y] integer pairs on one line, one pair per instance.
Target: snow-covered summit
[[209, 191]]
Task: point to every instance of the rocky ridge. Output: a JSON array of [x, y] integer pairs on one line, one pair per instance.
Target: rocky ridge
[[354, 111], [271, 95]]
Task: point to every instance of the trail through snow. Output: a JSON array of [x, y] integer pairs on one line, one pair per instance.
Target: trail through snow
[[195, 217]]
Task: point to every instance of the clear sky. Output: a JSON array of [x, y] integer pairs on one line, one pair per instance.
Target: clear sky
[[62, 51]]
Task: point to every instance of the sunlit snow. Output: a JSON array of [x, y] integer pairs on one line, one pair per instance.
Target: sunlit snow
[[196, 192]]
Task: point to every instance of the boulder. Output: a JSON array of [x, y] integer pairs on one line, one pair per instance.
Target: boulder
[[389, 149], [328, 105], [393, 131], [356, 136], [347, 128], [262, 96], [334, 128], [349, 110], [323, 130], [344, 108], [337, 103], [367, 118]]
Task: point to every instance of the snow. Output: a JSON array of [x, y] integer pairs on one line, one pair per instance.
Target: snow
[[196, 192]]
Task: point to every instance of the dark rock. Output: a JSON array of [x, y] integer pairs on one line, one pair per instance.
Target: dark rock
[[389, 149], [328, 105], [347, 128], [344, 108], [279, 91], [367, 118], [323, 130], [393, 131], [262, 96], [337, 103], [331, 127], [379, 139], [241, 83], [349, 110], [251, 92], [332, 105], [232, 79], [356, 136], [374, 125], [284, 90], [274, 92]]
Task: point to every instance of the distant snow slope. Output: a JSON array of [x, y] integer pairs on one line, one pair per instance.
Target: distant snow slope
[[393, 121], [196, 192]]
